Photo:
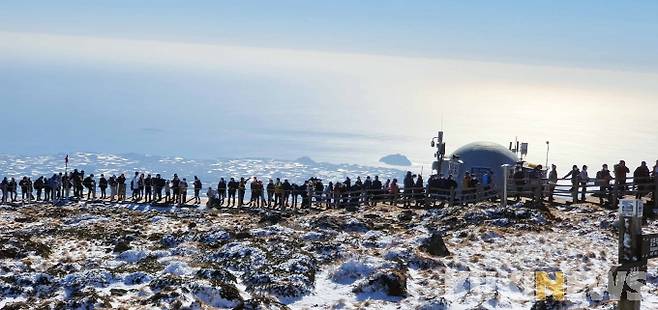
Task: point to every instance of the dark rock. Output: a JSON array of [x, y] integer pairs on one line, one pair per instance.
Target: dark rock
[[118, 292], [270, 218], [434, 245], [392, 281], [122, 245], [216, 275], [261, 303], [26, 219], [406, 216], [549, 304]]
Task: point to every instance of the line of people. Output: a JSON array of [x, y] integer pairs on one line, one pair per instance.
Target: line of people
[[63, 186], [643, 183]]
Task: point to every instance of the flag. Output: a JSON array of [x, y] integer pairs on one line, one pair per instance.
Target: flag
[[66, 159]]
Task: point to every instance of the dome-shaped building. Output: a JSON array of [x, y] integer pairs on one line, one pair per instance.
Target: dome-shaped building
[[478, 158]]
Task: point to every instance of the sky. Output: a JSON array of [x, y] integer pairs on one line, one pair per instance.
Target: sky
[[342, 81]]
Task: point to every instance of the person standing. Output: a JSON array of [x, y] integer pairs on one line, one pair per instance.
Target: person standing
[[641, 179], [621, 172], [394, 191], [102, 184], [419, 196], [78, 184], [575, 181], [270, 192], [175, 188], [13, 190], [112, 182], [59, 191], [255, 193], [552, 182], [519, 181], [221, 191], [158, 184], [242, 188], [148, 188], [23, 185], [134, 186], [287, 191], [197, 190], [278, 193], [38, 186], [603, 178], [66, 185], [4, 187], [121, 182], [167, 190], [183, 191], [584, 179], [232, 189], [90, 184]]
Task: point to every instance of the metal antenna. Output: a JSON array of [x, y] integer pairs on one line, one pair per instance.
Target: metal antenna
[[441, 121]]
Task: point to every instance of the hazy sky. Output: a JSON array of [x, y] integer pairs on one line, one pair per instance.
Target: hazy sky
[[337, 80]]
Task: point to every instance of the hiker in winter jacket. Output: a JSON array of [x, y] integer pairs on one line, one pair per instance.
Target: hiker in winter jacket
[[278, 193], [182, 191], [4, 188], [232, 188], [112, 182], [584, 179], [621, 172], [148, 188], [66, 185], [603, 179], [121, 186], [575, 180], [394, 191], [242, 188], [102, 184], [38, 186], [158, 184], [197, 190], [134, 186], [552, 182], [13, 190], [255, 193], [641, 179], [270, 192], [90, 184], [167, 190], [175, 188], [287, 191], [221, 191], [23, 185]]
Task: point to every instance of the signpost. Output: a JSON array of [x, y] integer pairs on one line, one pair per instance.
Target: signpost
[[649, 246], [634, 251]]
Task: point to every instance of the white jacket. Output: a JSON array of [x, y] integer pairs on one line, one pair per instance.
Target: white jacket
[[135, 183]]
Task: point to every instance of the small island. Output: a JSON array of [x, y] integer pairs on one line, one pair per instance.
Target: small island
[[396, 160]]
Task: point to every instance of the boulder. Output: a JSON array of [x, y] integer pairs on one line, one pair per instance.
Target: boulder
[[549, 304], [405, 216], [434, 245], [393, 282]]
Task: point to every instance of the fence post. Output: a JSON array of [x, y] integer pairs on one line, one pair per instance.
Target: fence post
[[630, 229], [503, 198], [655, 191]]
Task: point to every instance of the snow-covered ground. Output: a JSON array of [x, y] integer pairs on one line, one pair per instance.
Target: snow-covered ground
[[125, 255]]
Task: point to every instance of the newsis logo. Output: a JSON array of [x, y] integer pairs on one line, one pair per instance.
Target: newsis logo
[[554, 285], [550, 284]]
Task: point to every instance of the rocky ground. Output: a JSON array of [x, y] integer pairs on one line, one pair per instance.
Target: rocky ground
[[102, 255]]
